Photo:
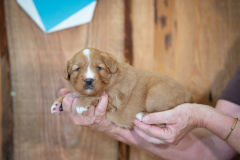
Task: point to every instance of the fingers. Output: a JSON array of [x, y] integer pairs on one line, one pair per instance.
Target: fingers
[[88, 116], [89, 112], [101, 108], [69, 101], [84, 119], [94, 117], [64, 91], [158, 117], [153, 131], [147, 137], [73, 109]]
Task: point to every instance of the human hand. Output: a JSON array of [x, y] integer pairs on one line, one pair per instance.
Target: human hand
[[179, 122], [94, 117]]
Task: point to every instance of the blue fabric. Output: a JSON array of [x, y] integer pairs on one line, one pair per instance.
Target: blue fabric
[[52, 12]]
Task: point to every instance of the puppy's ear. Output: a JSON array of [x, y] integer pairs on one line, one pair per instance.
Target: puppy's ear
[[66, 72], [110, 62]]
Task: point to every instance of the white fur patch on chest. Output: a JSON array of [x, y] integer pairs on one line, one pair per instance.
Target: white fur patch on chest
[[89, 73]]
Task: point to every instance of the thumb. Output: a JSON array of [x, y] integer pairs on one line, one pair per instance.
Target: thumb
[[102, 105], [157, 118], [64, 91]]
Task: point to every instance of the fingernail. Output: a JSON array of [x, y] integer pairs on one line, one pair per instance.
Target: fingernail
[[75, 94], [145, 119], [103, 93], [70, 97]]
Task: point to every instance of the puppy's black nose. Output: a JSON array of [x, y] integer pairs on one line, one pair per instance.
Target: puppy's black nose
[[88, 81]]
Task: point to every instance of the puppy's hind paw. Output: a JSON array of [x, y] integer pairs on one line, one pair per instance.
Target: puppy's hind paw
[[139, 116], [56, 107]]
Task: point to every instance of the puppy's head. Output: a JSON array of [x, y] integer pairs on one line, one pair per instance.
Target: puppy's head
[[90, 71]]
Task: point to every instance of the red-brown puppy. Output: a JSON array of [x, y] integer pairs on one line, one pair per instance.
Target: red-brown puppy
[[132, 92]]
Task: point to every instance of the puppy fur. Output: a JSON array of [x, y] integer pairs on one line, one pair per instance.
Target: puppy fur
[[131, 92]]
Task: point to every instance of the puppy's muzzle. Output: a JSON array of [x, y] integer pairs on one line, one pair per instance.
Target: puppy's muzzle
[[88, 81]]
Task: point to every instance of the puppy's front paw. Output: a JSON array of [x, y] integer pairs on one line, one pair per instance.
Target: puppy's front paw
[[56, 107], [80, 110]]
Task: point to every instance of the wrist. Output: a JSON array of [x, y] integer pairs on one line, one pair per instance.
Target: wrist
[[206, 116], [122, 135], [198, 113], [218, 122], [210, 117], [114, 132]]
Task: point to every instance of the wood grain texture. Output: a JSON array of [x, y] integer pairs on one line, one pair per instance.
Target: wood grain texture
[[198, 45], [137, 154], [143, 49], [196, 42], [128, 40], [37, 62], [143, 33], [6, 110], [123, 151]]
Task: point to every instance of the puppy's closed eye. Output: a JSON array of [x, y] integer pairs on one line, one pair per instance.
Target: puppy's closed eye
[[76, 68]]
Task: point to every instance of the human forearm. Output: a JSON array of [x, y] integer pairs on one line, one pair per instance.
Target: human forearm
[[195, 145], [220, 124], [199, 144]]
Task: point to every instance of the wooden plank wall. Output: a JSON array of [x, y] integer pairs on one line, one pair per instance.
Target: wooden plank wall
[[37, 63], [6, 110], [197, 42]]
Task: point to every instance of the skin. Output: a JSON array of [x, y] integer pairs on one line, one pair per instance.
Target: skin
[[184, 118], [205, 142]]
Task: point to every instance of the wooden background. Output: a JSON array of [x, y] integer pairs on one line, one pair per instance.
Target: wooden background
[[197, 42]]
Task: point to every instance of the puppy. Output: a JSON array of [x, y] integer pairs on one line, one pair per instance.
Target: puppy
[[131, 92]]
